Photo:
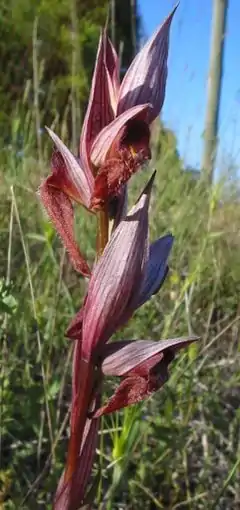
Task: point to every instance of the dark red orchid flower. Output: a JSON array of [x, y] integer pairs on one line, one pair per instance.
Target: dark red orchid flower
[[114, 141], [123, 145]]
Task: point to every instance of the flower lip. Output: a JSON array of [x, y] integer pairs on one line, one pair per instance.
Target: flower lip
[[114, 174], [60, 210]]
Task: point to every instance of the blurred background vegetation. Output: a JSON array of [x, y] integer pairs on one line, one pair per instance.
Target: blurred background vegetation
[[181, 449]]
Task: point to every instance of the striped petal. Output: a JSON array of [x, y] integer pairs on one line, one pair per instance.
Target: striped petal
[[68, 175], [114, 131], [145, 80], [99, 111], [121, 358], [112, 64], [117, 277]]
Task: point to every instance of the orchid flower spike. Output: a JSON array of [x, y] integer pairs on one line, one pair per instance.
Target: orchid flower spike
[[114, 143]]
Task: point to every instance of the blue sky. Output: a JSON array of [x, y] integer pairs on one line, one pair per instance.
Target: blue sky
[[184, 108]]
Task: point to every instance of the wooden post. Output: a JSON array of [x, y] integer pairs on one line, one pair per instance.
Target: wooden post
[[214, 86]]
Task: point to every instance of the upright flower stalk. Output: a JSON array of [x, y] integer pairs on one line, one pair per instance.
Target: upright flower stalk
[[128, 269]]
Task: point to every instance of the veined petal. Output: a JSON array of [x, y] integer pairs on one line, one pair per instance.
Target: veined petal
[[145, 80], [110, 133], [99, 111], [60, 211], [155, 268], [120, 360], [116, 278], [71, 178], [112, 64], [144, 369]]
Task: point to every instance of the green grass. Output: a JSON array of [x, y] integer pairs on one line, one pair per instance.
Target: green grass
[[179, 450]]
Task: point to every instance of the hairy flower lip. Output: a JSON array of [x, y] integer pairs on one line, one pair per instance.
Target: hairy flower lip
[[60, 211], [113, 176]]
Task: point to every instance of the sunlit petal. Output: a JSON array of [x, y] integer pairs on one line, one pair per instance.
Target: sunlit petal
[[145, 80], [75, 177]]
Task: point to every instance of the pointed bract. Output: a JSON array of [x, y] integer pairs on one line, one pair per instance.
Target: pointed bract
[[116, 278], [145, 80]]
